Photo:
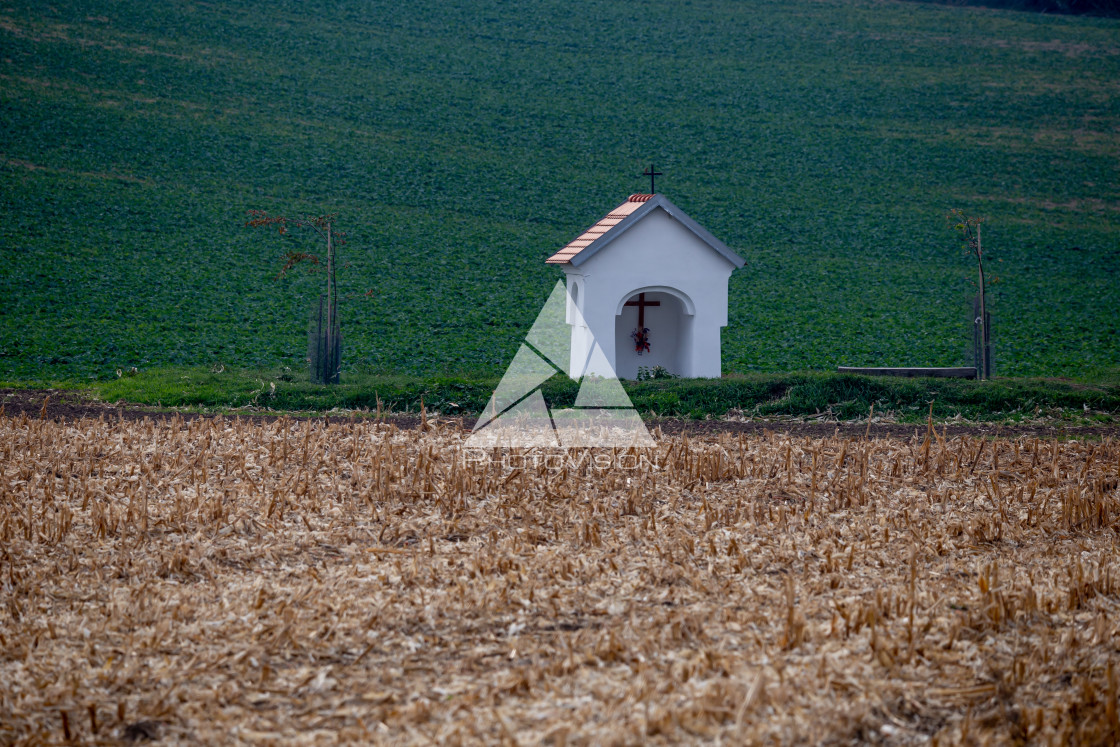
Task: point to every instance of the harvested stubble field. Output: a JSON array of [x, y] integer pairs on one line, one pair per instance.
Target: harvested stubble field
[[218, 581]]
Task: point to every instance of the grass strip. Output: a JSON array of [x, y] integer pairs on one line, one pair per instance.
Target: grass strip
[[763, 395]]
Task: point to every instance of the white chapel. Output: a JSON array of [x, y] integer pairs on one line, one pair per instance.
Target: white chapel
[[648, 285]]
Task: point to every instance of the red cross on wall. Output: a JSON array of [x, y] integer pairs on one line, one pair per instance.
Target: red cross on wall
[[642, 303]]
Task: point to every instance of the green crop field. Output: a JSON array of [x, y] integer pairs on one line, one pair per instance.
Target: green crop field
[[824, 140]]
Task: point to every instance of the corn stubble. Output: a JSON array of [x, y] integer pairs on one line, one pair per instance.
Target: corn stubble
[[308, 582]]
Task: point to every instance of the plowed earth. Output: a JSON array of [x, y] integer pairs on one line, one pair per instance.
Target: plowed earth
[[67, 405]]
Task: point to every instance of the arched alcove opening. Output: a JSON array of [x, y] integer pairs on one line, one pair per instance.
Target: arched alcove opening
[[667, 314]]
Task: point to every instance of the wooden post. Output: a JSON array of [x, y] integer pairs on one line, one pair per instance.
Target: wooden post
[[324, 347], [317, 347], [331, 374], [911, 372], [984, 364]]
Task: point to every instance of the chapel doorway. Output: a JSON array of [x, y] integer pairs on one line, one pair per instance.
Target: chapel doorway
[[669, 338]]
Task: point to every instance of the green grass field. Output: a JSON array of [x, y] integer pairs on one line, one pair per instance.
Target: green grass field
[[824, 140]]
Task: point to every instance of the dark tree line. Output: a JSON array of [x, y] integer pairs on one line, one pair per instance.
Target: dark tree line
[[1109, 8]]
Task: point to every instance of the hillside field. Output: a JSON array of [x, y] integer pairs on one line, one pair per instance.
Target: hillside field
[[824, 140]]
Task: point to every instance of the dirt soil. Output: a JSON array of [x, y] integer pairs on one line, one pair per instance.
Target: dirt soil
[[66, 405]]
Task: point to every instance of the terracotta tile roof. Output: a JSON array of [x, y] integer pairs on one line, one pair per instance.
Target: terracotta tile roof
[[585, 239], [619, 220]]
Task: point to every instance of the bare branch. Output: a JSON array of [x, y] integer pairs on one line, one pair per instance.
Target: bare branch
[[291, 259]]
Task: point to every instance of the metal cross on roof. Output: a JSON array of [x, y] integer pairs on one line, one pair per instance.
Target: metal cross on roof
[[651, 173]]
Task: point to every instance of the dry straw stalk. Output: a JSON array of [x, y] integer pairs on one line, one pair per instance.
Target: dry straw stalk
[[310, 582]]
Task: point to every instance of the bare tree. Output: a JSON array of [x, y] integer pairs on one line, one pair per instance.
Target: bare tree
[[968, 228], [325, 338]]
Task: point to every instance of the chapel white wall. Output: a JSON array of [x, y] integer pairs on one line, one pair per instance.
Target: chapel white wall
[[655, 251]]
